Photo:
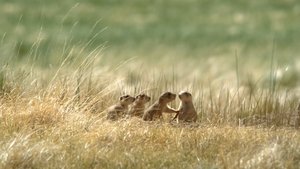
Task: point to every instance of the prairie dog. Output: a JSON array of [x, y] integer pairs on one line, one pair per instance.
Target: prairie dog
[[155, 111], [120, 109], [187, 112], [138, 107]]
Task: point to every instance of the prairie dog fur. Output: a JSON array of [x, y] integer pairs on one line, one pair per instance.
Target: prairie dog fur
[[155, 111], [138, 107], [186, 110], [119, 110]]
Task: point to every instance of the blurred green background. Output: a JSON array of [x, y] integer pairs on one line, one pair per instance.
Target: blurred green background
[[191, 31]]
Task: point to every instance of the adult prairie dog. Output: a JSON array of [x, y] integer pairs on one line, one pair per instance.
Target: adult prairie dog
[[186, 111], [138, 107], [155, 111], [119, 110]]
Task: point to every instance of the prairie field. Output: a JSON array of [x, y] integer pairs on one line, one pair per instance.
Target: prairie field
[[63, 63]]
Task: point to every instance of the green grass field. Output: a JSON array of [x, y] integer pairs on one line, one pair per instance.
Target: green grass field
[[63, 63]]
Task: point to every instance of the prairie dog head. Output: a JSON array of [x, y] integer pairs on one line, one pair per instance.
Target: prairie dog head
[[142, 99], [126, 99], [185, 96], [167, 97]]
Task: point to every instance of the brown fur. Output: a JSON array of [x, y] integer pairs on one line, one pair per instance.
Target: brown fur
[[187, 112], [119, 110], [138, 107], [155, 111]]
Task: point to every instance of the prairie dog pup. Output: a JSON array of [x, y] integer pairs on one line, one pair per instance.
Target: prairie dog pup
[[120, 109], [187, 112], [160, 106], [138, 106]]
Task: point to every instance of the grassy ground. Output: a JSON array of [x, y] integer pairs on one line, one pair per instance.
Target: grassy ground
[[62, 63]]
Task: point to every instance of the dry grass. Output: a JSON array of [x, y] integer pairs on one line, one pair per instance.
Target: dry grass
[[59, 122]]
